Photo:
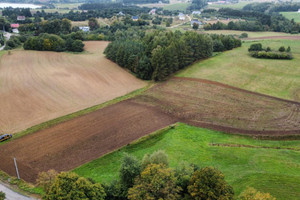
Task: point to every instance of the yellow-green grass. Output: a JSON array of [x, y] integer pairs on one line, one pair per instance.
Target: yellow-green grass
[[177, 6], [260, 165], [292, 15], [251, 34], [279, 78]]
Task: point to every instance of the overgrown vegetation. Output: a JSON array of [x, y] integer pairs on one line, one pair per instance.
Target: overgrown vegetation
[[257, 51]]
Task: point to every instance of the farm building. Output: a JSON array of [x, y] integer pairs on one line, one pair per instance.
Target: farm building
[[181, 16], [195, 21], [135, 18], [21, 18], [84, 28]]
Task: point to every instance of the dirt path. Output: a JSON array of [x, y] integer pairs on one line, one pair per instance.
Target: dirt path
[[38, 86]]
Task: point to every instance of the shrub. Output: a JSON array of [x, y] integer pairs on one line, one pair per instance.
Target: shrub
[[158, 157], [244, 35], [209, 183], [268, 49], [281, 49], [255, 47], [46, 179], [130, 169], [2, 195], [253, 194], [288, 49], [271, 55]]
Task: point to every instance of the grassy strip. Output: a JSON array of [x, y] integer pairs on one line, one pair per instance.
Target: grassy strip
[[20, 186], [266, 169], [58, 120]]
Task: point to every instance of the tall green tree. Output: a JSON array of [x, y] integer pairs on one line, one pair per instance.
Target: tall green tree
[[93, 23]]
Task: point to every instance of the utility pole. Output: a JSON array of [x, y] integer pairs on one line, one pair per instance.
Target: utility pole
[[15, 160]]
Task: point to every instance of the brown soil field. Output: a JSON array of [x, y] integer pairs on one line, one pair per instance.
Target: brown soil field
[[193, 101], [225, 108], [39, 86], [80, 140]]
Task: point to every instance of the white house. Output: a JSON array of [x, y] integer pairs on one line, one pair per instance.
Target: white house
[[152, 12], [181, 16], [84, 28], [21, 18], [121, 13], [299, 10]]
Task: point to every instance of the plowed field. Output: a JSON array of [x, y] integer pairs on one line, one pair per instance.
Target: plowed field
[[39, 86], [194, 101]]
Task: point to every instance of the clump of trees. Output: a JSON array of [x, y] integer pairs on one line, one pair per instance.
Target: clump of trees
[[51, 42], [150, 178], [13, 42], [257, 51], [157, 54]]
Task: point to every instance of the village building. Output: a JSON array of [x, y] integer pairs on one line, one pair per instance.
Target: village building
[[15, 28], [21, 18], [152, 12], [195, 21], [135, 18], [181, 16], [121, 14]]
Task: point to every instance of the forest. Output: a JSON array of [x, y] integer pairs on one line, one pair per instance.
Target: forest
[[158, 54]]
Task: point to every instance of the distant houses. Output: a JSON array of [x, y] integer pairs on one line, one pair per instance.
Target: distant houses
[[181, 16], [84, 28], [21, 18], [121, 14], [135, 18], [195, 21], [298, 10]]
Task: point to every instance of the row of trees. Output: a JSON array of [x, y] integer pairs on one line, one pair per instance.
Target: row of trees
[[257, 51], [268, 7], [51, 42], [158, 54], [257, 21], [150, 178]]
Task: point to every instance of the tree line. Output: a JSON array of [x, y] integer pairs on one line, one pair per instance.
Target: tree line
[[268, 7], [158, 54], [151, 178]]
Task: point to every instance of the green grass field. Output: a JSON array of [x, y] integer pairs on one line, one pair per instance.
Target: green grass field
[[272, 170], [250, 33], [177, 6], [292, 15], [279, 78], [239, 5]]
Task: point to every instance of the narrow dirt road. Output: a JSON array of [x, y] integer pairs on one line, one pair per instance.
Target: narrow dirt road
[[11, 195]]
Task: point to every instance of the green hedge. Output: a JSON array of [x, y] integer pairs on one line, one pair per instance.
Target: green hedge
[[271, 55]]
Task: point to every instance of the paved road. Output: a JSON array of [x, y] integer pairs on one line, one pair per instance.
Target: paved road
[[7, 36], [11, 195]]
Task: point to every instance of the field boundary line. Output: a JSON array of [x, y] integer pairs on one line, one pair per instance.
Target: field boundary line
[[251, 146]]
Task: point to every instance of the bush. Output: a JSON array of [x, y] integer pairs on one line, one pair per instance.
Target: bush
[[281, 49], [209, 183], [13, 42], [244, 35], [268, 49], [46, 179], [158, 157], [2, 195], [71, 186], [288, 49], [253, 194], [255, 47], [271, 55]]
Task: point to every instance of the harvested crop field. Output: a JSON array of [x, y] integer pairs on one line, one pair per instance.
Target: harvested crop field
[[194, 101], [80, 140], [39, 86], [221, 107]]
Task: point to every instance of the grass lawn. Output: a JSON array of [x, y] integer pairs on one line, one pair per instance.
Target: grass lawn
[[276, 171], [250, 33], [177, 6], [279, 78], [292, 15]]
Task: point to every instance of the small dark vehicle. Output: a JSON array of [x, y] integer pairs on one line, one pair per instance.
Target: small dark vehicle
[[5, 137]]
